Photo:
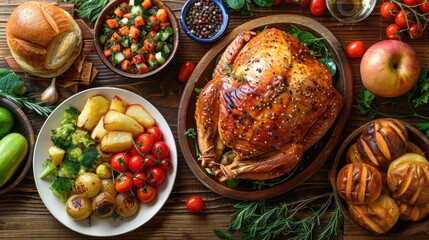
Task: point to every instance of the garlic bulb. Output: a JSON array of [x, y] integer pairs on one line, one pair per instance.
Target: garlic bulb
[[50, 95]]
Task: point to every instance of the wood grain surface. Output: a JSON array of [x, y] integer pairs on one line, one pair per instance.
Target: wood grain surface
[[24, 216]]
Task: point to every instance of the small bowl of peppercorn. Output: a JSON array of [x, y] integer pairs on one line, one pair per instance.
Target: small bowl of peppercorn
[[204, 21]]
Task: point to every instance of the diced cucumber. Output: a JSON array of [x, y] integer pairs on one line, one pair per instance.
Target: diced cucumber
[[159, 45], [125, 42], [134, 47], [136, 10], [160, 57], [162, 35], [169, 30], [134, 2], [124, 21], [168, 48], [103, 39], [153, 64], [118, 58]]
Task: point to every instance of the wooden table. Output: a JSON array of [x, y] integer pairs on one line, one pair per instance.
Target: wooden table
[[23, 214]]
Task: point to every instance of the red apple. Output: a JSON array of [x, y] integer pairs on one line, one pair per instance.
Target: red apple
[[389, 68]]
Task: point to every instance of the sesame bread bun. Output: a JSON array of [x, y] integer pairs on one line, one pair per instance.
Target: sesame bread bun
[[44, 39]]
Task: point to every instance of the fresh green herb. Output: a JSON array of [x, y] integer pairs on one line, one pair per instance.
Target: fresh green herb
[[89, 9], [222, 235], [421, 88], [27, 101], [233, 76], [245, 6], [262, 220], [193, 134], [365, 104], [317, 47]]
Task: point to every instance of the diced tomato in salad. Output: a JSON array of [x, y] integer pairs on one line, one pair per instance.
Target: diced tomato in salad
[[137, 36]]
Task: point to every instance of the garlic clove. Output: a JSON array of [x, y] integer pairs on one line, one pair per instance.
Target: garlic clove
[[50, 95]]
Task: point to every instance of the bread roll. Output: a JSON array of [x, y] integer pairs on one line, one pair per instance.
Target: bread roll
[[408, 179], [44, 39], [378, 216], [411, 212], [359, 183], [382, 141]]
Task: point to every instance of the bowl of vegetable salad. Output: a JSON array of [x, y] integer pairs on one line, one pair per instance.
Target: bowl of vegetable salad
[[136, 38]]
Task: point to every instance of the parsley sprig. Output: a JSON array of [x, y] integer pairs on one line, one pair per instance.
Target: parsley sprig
[[416, 98]]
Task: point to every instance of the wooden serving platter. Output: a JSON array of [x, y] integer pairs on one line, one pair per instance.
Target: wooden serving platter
[[202, 74]]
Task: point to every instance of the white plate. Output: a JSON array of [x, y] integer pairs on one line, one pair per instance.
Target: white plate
[[99, 226]]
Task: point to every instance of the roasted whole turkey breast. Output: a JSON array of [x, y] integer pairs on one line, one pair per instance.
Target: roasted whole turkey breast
[[269, 100]]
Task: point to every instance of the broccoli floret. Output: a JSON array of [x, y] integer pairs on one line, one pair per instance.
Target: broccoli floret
[[70, 115], [90, 160], [61, 136], [69, 169], [49, 169], [62, 187], [81, 138], [73, 153], [10, 83]]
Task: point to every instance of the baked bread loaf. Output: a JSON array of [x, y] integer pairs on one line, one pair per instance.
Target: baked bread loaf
[[44, 39], [359, 183], [411, 212]]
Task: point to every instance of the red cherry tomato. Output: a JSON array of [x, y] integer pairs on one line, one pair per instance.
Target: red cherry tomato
[[425, 6], [194, 204], [410, 2], [119, 162], [388, 9], [132, 152], [155, 176], [150, 161], [393, 31], [139, 179], [136, 163], [166, 164], [160, 150], [146, 194], [416, 31], [123, 182], [355, 49], [403, 17], [155, 132], [144, 142], [186, 71], [317, 7]]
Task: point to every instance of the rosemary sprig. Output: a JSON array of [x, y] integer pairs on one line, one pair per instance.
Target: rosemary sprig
[[260, 220], [27, 101], [193, 134]]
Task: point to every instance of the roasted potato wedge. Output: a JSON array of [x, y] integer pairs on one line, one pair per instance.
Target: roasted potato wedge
[[118, 104], [91, 113], [116, 121], [99, 131], [139, 113], [56, 154], [116, 141]]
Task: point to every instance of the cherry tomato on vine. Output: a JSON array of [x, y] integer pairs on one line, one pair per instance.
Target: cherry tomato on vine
[[388, 9], [155, 176], [139, 179], [160, 150], [425, 6], [355, 49], [155, 132], [144, 142], [393, 31], [150, 161], [186, 71], [410, 2], [124, 182], [119, 162], [136, 163], [166, 164], [317, 7], [416, 31], [146, 194], [132, 152], [194, 204], [402, 17]]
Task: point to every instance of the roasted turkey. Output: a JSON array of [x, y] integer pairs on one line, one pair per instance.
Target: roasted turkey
[[269, 100]]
